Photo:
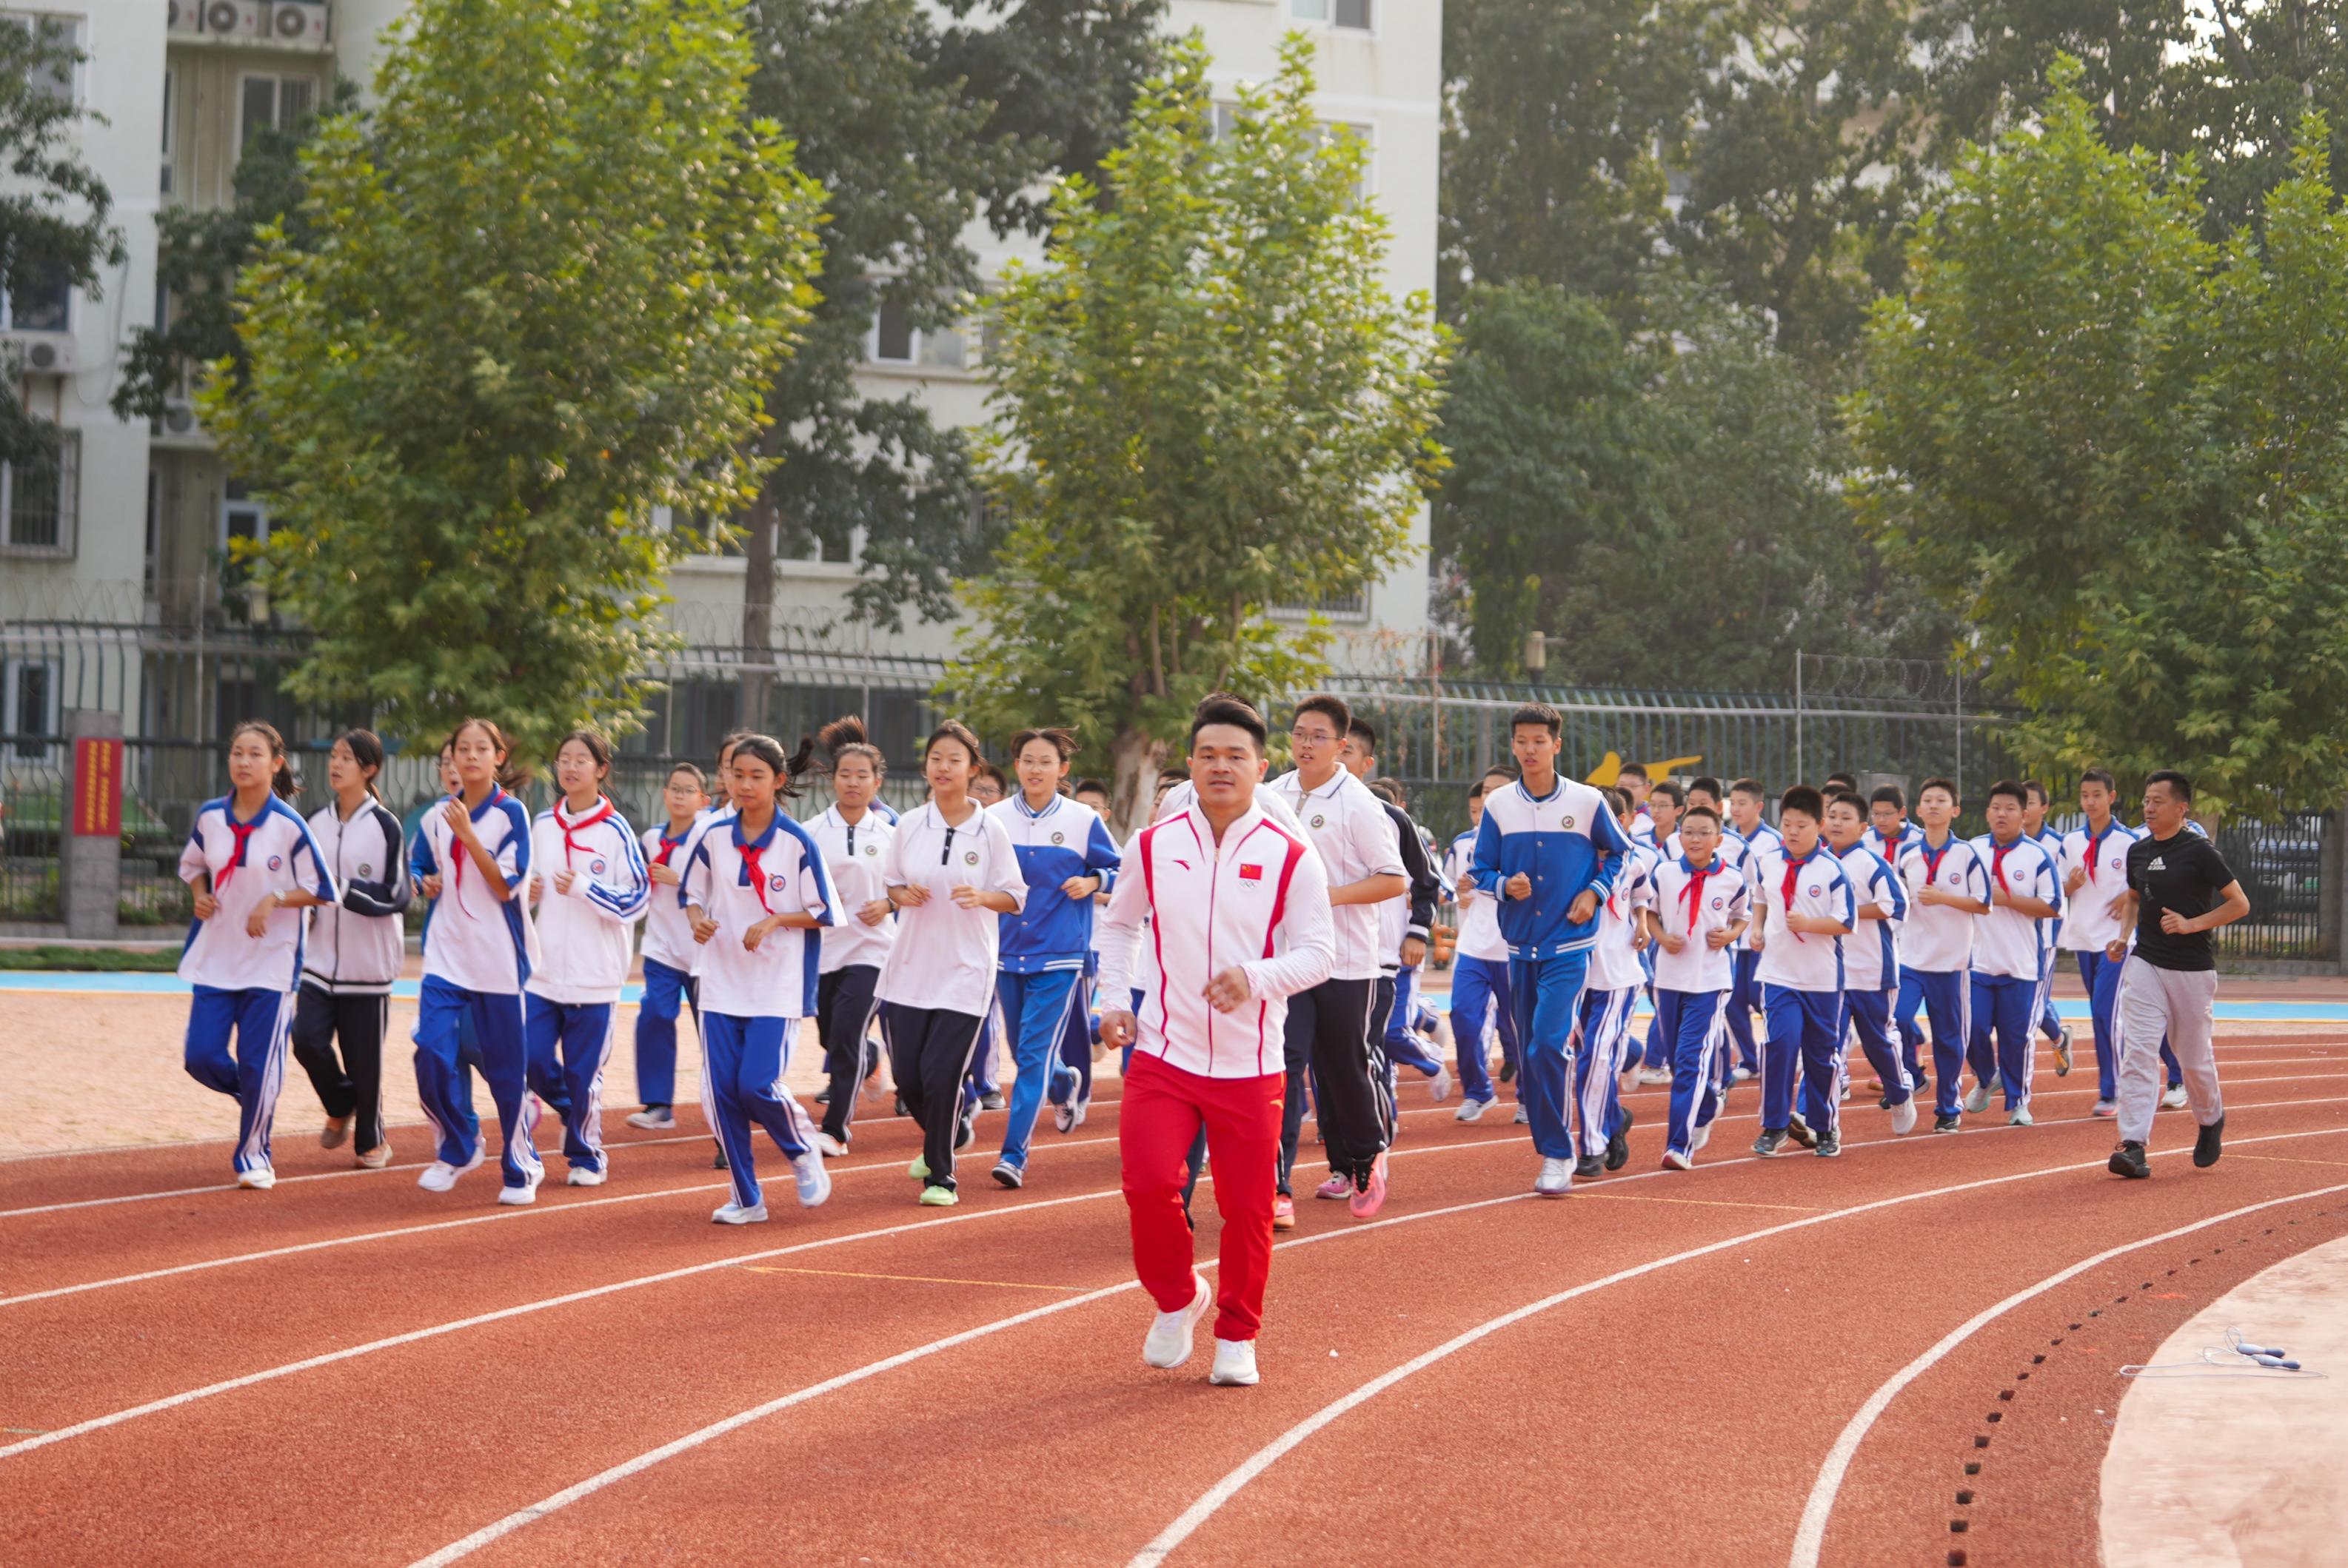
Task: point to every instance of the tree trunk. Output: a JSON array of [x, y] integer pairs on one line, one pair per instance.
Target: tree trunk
[[1134, 760]]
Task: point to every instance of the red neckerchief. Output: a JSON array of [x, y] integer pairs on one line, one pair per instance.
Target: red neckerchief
[[669, 847], [457, 872], [1793, 876], [1891, 849], [243, 832], [1933, 857], [602, 809], [750, 854], [1997, 863], [2094, 841], [1694, 891]]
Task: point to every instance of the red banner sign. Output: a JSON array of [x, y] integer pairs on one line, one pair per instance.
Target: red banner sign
[[98, 789]]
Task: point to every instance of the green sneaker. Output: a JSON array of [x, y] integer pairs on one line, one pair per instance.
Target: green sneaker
[[919, 1169], [940, 1197]]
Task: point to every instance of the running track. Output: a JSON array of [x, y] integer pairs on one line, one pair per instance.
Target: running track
[[1791, 1361]]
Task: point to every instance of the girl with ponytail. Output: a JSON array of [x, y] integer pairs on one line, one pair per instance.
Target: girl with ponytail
[[252, 865], [353, 951]]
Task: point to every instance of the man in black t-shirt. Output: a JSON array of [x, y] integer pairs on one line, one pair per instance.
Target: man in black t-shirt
[[2179, 890]]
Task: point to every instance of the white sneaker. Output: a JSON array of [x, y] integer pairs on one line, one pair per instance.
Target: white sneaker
[[1082, 1109], [519, 1197], [1675, 1161], [260, 1179], [377, 1158], [1471, 1110], [654, 1121], [1843, 1093], [1064, 1117], [815, 1182], [736, 1214], [1169, 1340], [1651, 1076], [1903, 1117], [1234, 1364], [1556, 1178], [439, 1176], [1524, 1118], [1740, 1074], [2174, 1100], [1978, 1100], [2020, 1117], [829, 1146], [581, 1176], [331, 1134], [1703, 1135], [2103, 1108], [1438, 1092]]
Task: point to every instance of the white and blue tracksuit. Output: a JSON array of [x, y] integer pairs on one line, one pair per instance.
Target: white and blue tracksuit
[[1044, 948], [1565, 842], [1871, 967], [246, 984], [672, 966], [584, 937], [1615, 976], [2010, 966], [1746, 998], [1691, 986], [1936, 954], [1908, 998], [1801, 976], [478, 951], [1480, 998], [752, 998], [2088, 928], [2050, 1022]]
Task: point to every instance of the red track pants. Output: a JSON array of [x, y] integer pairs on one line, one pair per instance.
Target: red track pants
[[1162, 1113]]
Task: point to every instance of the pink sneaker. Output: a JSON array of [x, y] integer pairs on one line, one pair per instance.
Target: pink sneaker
[[1335, 1187], [1372, 1198], [1284, 1212]]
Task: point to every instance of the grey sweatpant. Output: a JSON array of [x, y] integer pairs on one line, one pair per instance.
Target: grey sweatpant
[[2177, 1005]]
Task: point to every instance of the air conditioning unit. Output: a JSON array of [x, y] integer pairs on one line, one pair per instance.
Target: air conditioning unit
[[297, 21], [178, 418], [44, 353], [186, 16], [232, 18]]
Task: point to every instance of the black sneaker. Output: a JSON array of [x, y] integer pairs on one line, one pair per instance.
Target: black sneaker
[[1008, 1174], [1948, 1123], [902, 1111], [965, 1135], [823, 1097], [1589, 1165], [1884, 1103], [1768, 1143], [2209, 1144], [1618, 1147], [1800, 1131], [719, 1162], [2127, 1160], [1829, 1145]]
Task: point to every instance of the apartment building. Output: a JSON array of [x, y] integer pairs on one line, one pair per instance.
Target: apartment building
[[126, 550]]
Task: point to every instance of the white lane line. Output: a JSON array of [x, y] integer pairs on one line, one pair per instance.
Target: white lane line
[[270, 1374], [1224, 1490], [1809, 1536]]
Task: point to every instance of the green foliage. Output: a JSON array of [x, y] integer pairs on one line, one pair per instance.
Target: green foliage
[[56, 215], [543, 292], [1663, 503], [1209, 404], [2114, 447]]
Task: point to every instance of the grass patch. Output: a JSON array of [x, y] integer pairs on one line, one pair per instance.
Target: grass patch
[[87, 960]]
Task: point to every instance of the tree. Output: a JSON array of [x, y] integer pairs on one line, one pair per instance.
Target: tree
[[916, 127], [1561, 125], [2114, 447], [1665, 503], [524, 319], [1209, 404], [56, 227]]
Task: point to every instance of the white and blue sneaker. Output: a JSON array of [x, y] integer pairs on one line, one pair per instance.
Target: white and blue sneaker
[[815, 1182], [736, 1214], [1471, 1110]]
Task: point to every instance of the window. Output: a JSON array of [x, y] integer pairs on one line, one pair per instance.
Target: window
[[1354, 14], [892, 334], [37, 501], [894, 340], [170, 107], [30, 702], [42, 301], [1354, 606], [272, 103], [241, 517], [53, 76]]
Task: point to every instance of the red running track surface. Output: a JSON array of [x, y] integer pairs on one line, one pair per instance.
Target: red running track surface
[[564, 1383]]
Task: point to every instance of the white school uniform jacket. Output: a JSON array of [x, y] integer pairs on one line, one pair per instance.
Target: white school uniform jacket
[[1936, 940], [2010, 943], [471, 940], [856, 854], [1184, 795], [2088, 923], [584, 936], [1745, 850], [739, 882], [355, 944], [1690, 905], [247, 861], [1870, 954], [668, 936], [1893, 848], [1259, 901], [1802, 960], [945, 955], [1479, 914], [1348, 827], [1613, 962]]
